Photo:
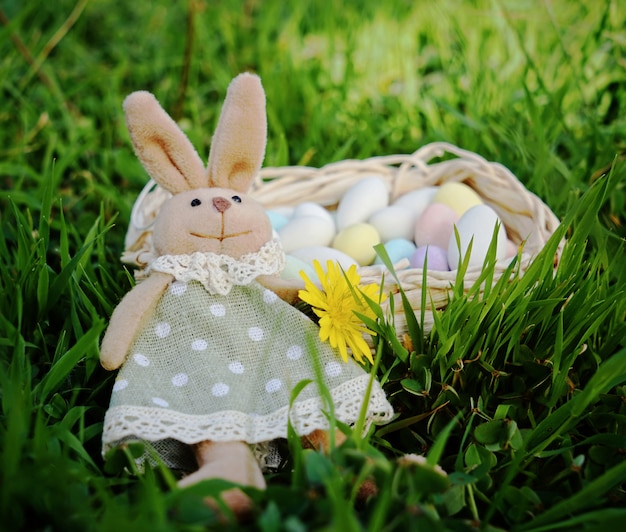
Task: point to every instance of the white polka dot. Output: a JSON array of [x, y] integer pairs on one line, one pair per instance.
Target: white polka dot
[[120, 385], [294, 352], [255, 333], [199, 344], [178, 288], [160, 402], [273, 385], [236, 367], [269, 297], [180, 379], [333, 369], [162, 329], [220, 389], [217, 309], [141, 360]]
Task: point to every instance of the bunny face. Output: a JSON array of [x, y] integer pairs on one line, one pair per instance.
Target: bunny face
[[209, 210], [216, 220]]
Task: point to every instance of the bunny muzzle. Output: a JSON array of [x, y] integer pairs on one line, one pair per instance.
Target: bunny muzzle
[[216, 220]]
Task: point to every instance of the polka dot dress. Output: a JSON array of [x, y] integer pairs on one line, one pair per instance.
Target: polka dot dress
[[211, 367]]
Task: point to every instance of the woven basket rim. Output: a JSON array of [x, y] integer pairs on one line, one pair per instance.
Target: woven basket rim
[[401, 167], [403, 172]]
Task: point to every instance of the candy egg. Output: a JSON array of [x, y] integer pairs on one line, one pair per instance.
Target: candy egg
[[293, 267], [416, 200], [306, 231], [437, 258], [478, 224], [362, 200], [309, 208], [283, 210], [458, 196], [358, 241], [323, 254], [435, 225], [397, 249], [511, 249], [277, 219], [393, 222]]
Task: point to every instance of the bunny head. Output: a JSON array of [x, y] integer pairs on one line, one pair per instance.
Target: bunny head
[[209, 210]]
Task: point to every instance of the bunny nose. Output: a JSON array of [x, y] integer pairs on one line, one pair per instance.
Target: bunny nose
[[221, 204]]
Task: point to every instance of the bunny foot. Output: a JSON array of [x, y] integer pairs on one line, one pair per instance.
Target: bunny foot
[[231, 461]]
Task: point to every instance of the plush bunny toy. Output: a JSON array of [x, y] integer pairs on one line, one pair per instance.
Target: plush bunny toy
[[209, 353]]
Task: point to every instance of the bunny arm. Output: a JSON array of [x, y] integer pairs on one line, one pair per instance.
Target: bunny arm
[[283, 289], [134, 308]]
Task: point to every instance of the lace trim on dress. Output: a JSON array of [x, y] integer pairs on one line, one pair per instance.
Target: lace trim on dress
[[152, 423], [219, 273]]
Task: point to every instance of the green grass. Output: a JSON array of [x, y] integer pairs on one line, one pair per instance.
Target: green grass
[[519, 395]]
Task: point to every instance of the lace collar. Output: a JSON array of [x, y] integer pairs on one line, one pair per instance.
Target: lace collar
[[219, 273]]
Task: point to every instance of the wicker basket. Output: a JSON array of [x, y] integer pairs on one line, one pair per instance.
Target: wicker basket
[[526, 218]]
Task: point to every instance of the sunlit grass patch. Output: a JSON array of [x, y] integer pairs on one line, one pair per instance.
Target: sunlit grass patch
[[517, 394]]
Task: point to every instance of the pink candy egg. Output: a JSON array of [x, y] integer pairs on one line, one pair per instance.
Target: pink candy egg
[[511, 249], [435, 225]]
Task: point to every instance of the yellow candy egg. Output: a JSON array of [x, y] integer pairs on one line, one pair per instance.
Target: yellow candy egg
[[458, 196], [358, 241]]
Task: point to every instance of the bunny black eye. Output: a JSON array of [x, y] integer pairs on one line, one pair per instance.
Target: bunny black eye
[[195, 202], [236, 199]]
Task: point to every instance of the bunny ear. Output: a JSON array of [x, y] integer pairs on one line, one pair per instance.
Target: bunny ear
[[161, 146], [238, 146]]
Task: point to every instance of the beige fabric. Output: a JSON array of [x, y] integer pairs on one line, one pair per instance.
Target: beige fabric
[[223, 368]]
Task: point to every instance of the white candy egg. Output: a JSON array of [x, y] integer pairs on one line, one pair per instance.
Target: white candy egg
[[306, 231], [309, 208], [417, 200], [323, 254], [294, 266], [477, 223], [393, 222], [362, 200]]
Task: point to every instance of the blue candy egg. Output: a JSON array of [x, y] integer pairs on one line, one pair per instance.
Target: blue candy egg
[[397, 249], [277, 220]]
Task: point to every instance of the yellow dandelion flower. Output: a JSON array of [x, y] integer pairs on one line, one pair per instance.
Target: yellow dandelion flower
[[336, 305]]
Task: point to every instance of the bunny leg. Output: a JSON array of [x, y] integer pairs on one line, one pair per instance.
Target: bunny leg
[[232, 461], [320, 439]]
